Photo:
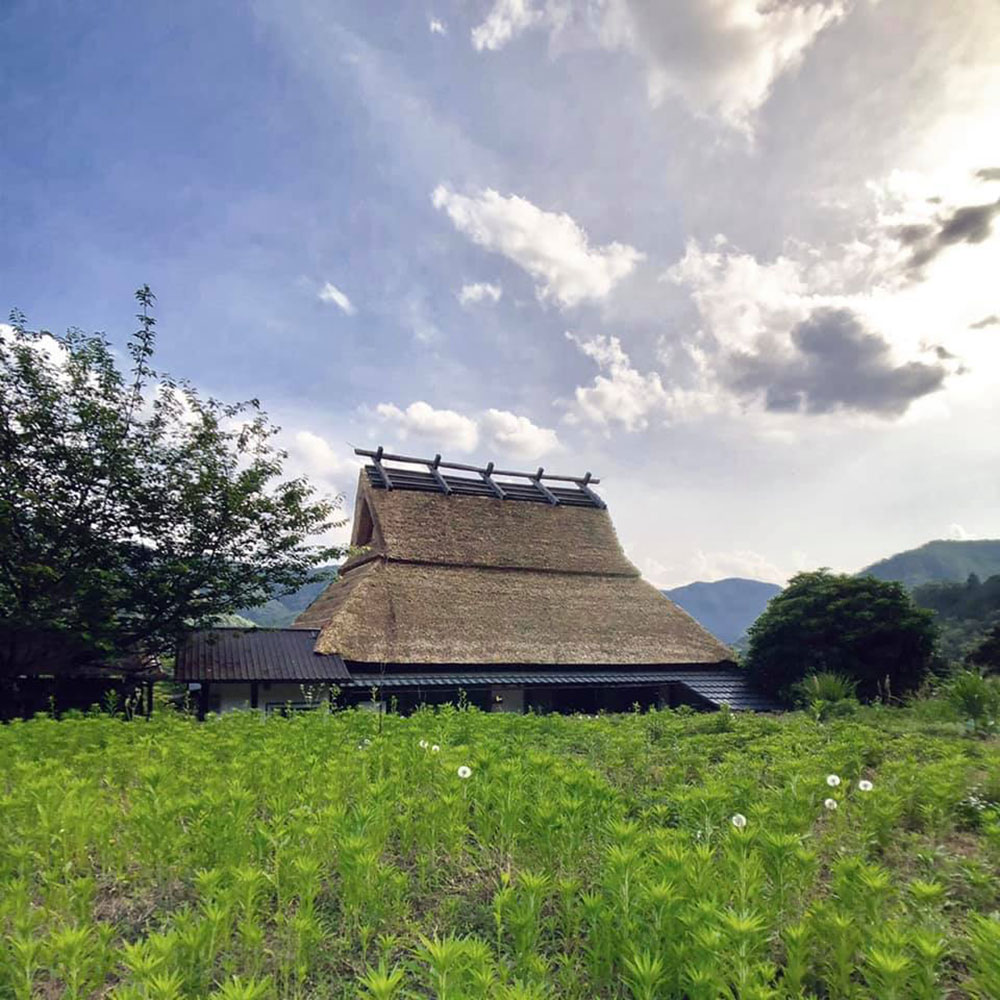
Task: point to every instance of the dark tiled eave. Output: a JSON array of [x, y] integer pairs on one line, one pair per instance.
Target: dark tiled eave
[[231, 654], [228, 655], [716, 686]]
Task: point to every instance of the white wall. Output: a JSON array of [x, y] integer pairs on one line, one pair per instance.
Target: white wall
[[270, 696]]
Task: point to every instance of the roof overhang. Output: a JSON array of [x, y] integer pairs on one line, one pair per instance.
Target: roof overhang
[[716, 685], [228, 655]]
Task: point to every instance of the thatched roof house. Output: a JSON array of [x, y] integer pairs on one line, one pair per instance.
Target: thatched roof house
[[502, 580]]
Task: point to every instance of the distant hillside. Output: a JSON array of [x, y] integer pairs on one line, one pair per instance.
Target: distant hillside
[[726, 608], [233, 621], [965, 611], [939, 561], [281, 611]]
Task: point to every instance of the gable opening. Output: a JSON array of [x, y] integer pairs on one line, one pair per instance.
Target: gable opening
[[365, 527]]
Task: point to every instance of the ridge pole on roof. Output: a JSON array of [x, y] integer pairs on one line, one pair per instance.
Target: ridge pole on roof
[[377, 462], [487, 475], [438, 478], [543, 489], [584, 488]]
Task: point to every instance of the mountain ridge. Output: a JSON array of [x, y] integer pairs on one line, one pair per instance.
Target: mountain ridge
[[939, 561], [725, 607]]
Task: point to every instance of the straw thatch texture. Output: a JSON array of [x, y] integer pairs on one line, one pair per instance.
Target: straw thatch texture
[[418, 613], [330, 600], [479, 531], [478, 580]]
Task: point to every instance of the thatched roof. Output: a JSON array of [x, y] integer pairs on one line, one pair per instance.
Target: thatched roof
[[478, 580]]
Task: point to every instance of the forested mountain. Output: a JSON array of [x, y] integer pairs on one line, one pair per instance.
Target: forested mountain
[[281, 611], [939, 561], [725, 607], [965, 612]]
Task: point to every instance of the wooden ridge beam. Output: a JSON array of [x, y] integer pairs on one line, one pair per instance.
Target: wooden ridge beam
[[380, 454], [487, 475], [543, 489], [438, 478]]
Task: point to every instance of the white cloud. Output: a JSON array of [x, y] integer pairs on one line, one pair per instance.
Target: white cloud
[[437, 27], [620, 394], [863, 326], [479, 291], [739, 562], [506, 20], [517, 436], [311, 455], [550, 246], [333, 471], [958, 534], [445, 428], [331, 293], [739, 298], [500, 431], [708, 567], [721, 57]]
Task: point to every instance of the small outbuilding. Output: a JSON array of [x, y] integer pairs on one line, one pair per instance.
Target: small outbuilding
[[54, 672], [508, 587]]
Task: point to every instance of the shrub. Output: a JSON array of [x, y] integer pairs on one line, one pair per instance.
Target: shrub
[[827, 695], [976, 698], [986, 654], [862, 628]]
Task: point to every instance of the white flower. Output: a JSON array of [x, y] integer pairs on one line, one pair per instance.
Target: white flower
[[830, 803], [739, 821], [865, 785], [435, 748], [465, 772], [832, 780], [367, 742], [424, 744]]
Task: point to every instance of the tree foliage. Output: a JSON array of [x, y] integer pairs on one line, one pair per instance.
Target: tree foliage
[[866, 629], [131, 507], [965, 613], [986, 654]]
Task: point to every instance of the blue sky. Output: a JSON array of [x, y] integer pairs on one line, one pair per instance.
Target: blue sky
[[739, 262]]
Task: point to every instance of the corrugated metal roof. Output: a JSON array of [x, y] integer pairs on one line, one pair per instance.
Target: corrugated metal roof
[[256, 654], [716, 686]]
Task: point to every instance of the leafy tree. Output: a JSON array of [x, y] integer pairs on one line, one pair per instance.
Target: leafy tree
[[862, 628], [132, 508], [987, 654]]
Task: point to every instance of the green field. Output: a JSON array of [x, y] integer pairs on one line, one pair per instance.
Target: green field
[[324, 856]]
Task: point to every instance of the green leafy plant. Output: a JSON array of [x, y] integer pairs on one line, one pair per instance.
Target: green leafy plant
[[269, 857], [827, 695], [976, 698]]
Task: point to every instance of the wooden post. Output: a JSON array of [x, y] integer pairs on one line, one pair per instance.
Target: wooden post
[[203, 700], [254, 694]]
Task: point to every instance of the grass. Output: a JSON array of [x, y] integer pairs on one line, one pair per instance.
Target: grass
[[328, 856]]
